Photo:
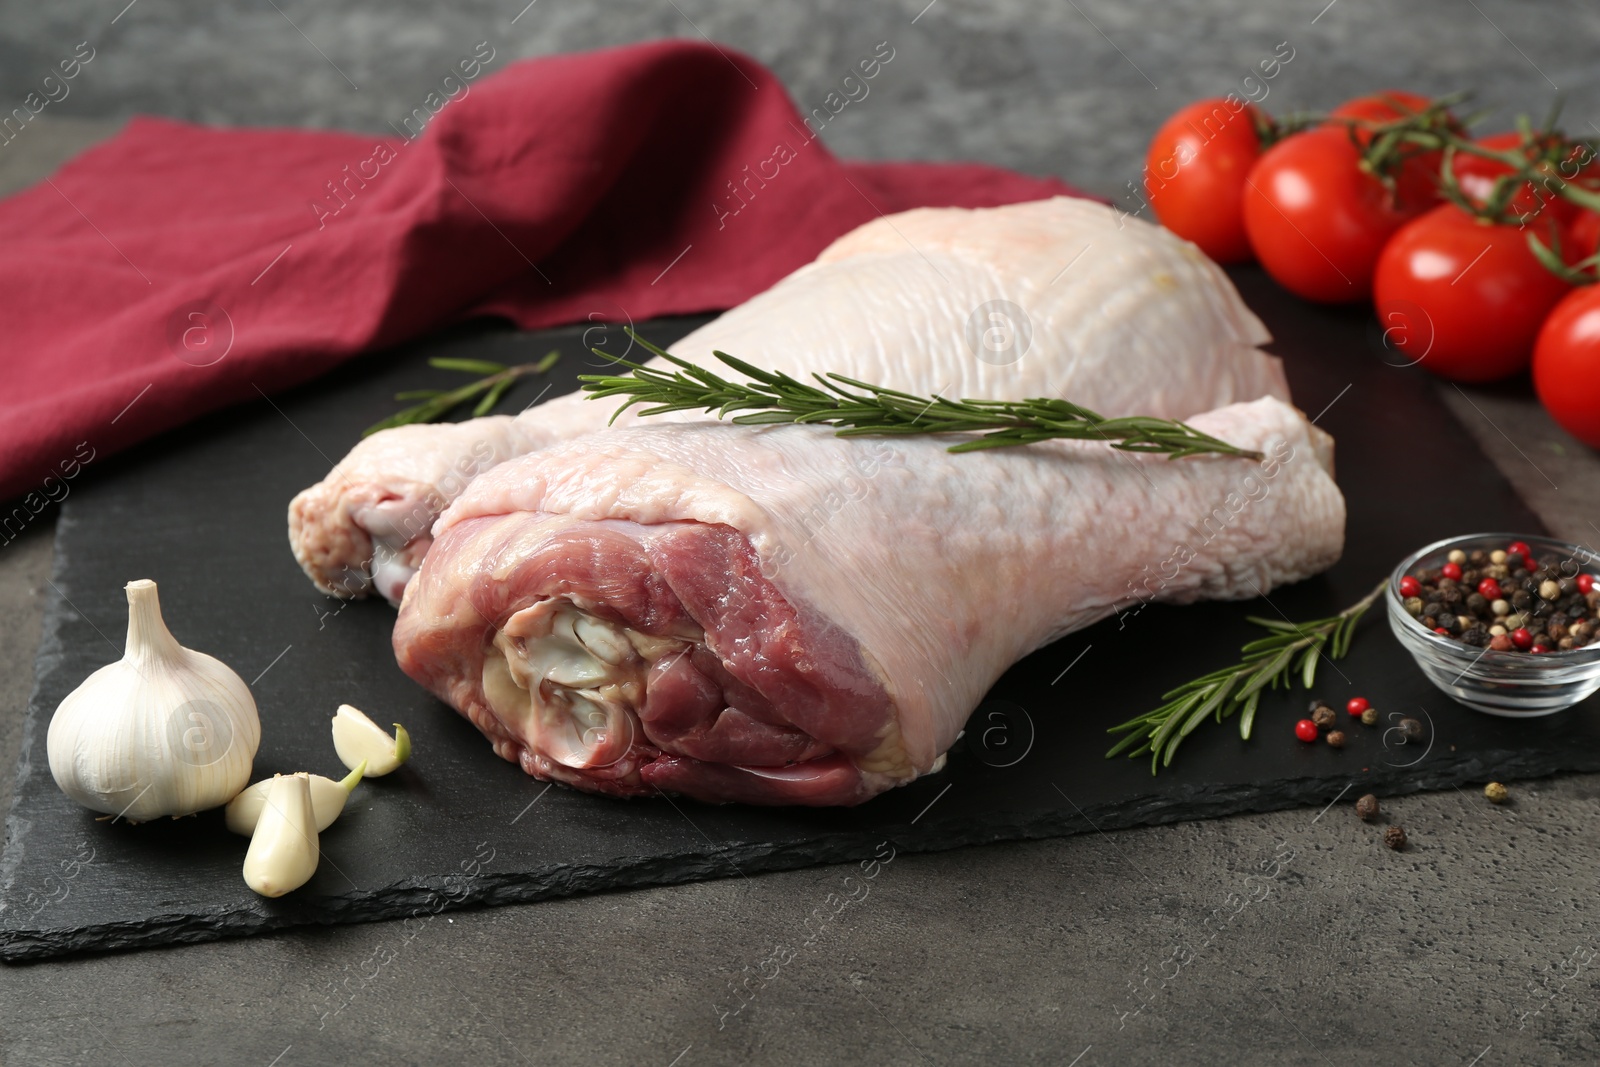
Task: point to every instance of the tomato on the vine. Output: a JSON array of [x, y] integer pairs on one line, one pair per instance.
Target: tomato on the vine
[[1583, 236], [1476, 176], [1566, 364], [1316, 221], [1463, 297], [1195, 171], [1417, 183]]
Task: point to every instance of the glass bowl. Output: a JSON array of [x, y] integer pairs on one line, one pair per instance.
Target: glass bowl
[[1510, 684]]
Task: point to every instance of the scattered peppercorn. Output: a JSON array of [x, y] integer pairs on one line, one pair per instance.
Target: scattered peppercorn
[[1306, 730], [1410, 729], [1357, 705], [1323, 716], [1369, 717], [1367, 807], [1335, 738], [1496, 793], [1395, 838]]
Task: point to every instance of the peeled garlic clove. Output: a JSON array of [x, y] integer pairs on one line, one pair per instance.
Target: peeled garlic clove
[[163, 731], [283, 850], [358, 739], [327, 801]]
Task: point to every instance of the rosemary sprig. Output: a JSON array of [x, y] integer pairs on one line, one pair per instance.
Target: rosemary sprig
[[859, 408], [436, 403], [1267, 662]]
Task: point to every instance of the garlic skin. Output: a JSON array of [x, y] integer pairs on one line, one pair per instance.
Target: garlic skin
[[327, 801], [283, 851], [359, 740], [163, 731]]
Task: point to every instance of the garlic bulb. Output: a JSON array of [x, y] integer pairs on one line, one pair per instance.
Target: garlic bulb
[[357, 739], [163, 731], [283, 851], [327, 801]]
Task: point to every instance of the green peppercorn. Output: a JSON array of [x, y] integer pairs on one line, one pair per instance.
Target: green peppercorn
[[1369, 717]]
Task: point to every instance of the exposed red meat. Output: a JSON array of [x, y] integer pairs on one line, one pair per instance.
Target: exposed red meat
[[732, 653]]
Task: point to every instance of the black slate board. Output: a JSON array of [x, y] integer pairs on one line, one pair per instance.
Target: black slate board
[[202, 512]]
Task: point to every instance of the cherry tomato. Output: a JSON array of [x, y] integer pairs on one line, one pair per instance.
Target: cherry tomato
[[1417, 184], [1463, 297], [1195, 170], [1476, 176], [1316, 222], [1566, 364], [1583, 236]]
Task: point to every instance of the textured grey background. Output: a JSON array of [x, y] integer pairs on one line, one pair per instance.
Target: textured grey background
[[1474, 947], [1066, 87]]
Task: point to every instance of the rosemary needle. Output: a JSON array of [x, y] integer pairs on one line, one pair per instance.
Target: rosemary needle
[[437, 403], [858, 408], [1267, 661]]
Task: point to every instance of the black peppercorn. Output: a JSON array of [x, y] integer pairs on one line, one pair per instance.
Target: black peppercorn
[[1522, 600], [1335, 738], [1477, 603], [1323, 716], [1477, 557], [1367, 807], [1476, 636], [1395, 838], [1410, 729]]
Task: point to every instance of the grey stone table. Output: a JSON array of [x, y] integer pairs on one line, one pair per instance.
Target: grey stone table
[[1473, 947]]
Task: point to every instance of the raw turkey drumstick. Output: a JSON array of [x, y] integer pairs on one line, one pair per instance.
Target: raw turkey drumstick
[[1058, 297], [776, 615]]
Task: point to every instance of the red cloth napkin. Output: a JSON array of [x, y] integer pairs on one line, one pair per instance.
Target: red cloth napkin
[[177, 269]]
